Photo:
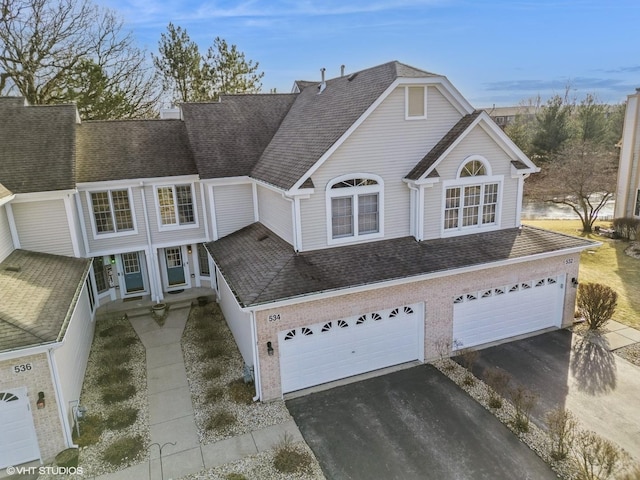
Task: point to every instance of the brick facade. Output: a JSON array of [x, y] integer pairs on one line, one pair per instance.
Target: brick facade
[[49, 429], [437, 295]]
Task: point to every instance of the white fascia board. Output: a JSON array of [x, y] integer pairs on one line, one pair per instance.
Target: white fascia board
[[43, 196], [268, 186], [190, 241], [7, 199], [227, 180], [416, 278], [503, 140], [25, 352], [111, 184], [451, 93]]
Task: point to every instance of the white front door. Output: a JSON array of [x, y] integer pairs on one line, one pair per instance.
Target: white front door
[[327, 351], [18, 440], [501, 312]]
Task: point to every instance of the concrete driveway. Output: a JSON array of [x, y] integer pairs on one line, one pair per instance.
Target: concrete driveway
[[602, 389], [411, 424]]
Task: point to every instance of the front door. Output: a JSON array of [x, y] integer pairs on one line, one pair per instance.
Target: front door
[[132, 269], [175, 266]]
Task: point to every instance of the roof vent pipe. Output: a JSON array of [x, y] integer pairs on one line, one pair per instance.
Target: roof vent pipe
[[323, 84], [342, 70]]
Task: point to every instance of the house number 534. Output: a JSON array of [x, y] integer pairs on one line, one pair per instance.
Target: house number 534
[[274, 317]]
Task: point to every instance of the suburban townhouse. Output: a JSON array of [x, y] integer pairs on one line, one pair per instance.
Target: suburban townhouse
[[359, 222]]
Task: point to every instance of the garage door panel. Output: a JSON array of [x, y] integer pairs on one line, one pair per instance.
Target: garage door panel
[[366, 343], [18, 441], [520, 309]]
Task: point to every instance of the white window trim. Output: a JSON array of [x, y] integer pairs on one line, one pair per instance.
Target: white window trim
[[406, 103], [354, 192], [94, 228], [464, 182], [176, 226]]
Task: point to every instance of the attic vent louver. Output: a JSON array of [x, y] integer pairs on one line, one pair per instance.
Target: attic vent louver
[[352, 76], [12, 268], [263, 238]]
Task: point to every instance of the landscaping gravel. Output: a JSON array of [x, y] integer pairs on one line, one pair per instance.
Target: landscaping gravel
[[249, 417]]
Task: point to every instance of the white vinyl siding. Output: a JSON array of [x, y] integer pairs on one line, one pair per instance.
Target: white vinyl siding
[[175, 234], [71, 358], [234, 207], [43, 227], [239, 322], [275, 213], [6, 242], [385, 145], [477, 142], [126, 242]]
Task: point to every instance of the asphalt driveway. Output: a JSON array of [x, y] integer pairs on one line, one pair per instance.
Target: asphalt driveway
[[411, 424], [563, 369]]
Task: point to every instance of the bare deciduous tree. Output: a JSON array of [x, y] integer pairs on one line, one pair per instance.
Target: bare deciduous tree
[[49, 47], [583, 176]]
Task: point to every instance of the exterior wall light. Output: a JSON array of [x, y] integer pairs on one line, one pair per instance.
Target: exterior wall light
[[189, 250], [270, 349], [112, 259], [40, 403], [574, 282]]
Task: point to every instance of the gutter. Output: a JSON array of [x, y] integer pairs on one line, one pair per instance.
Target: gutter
[[57, 388], [74, 302]]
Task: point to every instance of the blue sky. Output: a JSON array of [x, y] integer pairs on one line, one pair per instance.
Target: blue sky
[[494, 51]]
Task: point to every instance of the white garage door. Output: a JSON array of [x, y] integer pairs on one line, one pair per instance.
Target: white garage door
[[328, 351], [502, 312], [18, 441]]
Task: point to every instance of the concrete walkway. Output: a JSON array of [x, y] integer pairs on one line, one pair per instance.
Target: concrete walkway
[[618, 335], [171, 416]]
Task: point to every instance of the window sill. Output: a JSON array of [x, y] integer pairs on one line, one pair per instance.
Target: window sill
[[126, 233], [355, 239]]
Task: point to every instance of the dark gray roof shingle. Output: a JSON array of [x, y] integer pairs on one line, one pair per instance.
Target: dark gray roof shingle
[[260, 267], [228, 137], [37, 146], [445, 142], [317, 120], [130, 149], [36, 300]]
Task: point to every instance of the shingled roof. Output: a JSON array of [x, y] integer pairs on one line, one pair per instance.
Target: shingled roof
[[318, 119], [38, 293], [445, 142], [261, 268], [131, 149], [37, 146], [228, 137]]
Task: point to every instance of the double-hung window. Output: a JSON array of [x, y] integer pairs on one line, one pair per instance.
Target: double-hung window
[[472, 200], [354, 206], [175, 205], [112, 211]]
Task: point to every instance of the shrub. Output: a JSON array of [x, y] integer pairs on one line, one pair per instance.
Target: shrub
[[114, 358], [291, 459], [91, 428], [627, 227], [212, 373], [562, 427], [118, 343], [241, 392], [113, 331], [468, 358], [122, 417], [123, 450], [523, 402], [117, 392], [596, 303], [114, 375], [67, 458], [235, 476], [498, 380], [213, 350], [220, 420], [595, 458], [214, 393]]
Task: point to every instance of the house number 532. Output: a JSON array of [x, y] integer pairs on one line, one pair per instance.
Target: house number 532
[[274, 317]]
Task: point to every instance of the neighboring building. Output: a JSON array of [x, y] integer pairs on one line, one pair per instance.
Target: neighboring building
[[628, 191], [357, 223], [505, 116]]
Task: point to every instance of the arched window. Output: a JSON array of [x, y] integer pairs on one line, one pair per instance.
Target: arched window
[[354, 207], [472, 199]]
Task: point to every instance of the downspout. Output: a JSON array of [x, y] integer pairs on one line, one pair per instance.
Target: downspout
[[256, 358], [57, 387], [520, 193], [152, 255], [83, 225]]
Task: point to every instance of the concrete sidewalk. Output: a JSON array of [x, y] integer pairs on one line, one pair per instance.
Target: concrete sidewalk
[[171, 415]]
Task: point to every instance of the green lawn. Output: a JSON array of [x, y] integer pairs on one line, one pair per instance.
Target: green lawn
[[607, 264]]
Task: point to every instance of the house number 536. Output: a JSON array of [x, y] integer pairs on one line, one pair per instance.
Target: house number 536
[[274, 317], [25, 367]]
